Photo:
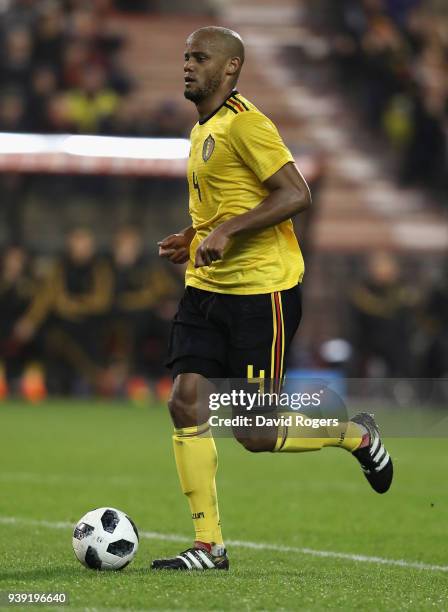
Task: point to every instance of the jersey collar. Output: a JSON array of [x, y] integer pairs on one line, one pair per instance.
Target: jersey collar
[[202, 121]]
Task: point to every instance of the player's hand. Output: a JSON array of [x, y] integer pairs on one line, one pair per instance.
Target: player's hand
[[175, 248], [212, 248]]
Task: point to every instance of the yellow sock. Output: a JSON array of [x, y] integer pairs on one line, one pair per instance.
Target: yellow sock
[[197, 462], [297, 437]]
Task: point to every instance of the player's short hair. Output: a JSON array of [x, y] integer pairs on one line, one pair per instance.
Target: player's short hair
[[231, 39]]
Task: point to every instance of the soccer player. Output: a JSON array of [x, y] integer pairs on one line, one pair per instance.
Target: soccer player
[[241, 306]]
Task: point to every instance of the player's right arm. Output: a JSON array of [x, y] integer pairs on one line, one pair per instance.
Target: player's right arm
[[176, 247]]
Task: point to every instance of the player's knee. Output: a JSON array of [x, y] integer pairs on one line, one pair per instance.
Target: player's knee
[[182, 411], [183, 403]]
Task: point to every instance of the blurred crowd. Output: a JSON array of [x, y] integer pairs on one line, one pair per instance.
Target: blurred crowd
[[62, 70], [397, 327], [85, 322], [393, 57]]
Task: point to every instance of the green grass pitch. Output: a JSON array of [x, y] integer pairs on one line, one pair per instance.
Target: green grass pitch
[[60, 459]]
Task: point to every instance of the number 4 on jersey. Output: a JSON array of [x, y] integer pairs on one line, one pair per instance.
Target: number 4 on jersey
[[196, 185]]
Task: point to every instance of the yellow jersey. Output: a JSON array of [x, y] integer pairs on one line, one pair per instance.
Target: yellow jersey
[[233, 152]]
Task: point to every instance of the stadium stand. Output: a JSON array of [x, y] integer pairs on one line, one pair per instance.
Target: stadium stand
[[393, 55]]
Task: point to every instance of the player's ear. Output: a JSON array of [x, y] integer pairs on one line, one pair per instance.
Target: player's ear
[[233, 66]]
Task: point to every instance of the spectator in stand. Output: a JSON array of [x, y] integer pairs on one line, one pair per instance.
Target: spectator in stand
[[385, 56], [395, 53], [93, 102], [58, 117], [138, 329], [381, 317], [50, 35], [74, 299], [76, 56], [44, 86], [436, 324], [16, 61], [425, 157], [13, 115], [118, 77], [84, 25], [125, 119], [17, 290], [167, 122]]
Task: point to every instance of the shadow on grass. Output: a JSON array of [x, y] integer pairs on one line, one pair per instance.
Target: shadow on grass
[[68, 574], [61, 573], [235, 572]]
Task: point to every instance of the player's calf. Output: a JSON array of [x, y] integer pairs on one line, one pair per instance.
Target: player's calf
[[255, 438], [196, 462], [254, 444]]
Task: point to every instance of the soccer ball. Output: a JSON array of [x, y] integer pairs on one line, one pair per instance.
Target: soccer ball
[[105, 539]]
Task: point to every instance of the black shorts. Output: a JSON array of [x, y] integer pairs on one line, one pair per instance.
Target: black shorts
[[234, 336]]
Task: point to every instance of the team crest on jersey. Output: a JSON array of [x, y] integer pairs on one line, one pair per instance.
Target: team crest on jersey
[[208, 147]]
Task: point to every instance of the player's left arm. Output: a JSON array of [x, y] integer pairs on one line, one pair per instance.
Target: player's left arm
[[289, 195]]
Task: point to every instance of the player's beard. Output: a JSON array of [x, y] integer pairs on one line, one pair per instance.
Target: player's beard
[[199, 95]]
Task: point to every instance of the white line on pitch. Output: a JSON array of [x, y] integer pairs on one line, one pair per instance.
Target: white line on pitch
[[171, 537]]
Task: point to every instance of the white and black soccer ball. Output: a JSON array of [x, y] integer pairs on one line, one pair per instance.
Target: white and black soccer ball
[[105, 539]]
